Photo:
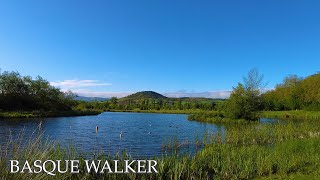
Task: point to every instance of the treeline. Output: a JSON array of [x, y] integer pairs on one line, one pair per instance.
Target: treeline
[[294, 93], [23, 93], [247, 100], [149, 104]]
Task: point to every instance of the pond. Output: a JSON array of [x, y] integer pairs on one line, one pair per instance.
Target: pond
[[143, 135]]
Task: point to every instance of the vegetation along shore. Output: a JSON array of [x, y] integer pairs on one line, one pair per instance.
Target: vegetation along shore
[[25, 97]]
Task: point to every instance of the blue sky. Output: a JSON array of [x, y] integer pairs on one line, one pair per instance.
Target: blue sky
[[181, 48]]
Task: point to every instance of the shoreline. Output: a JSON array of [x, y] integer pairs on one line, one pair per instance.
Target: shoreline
[[216, 117], [187, 112], [42, 114], [193, 115]]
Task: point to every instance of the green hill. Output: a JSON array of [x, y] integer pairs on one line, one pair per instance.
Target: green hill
[[153, 100], [133, 98], [145, 95]]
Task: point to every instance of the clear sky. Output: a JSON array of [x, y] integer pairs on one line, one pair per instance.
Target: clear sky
[[195, 48]]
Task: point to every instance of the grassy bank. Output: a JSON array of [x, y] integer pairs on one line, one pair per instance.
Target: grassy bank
[[299, 114], [214, 117], [249, 151], [36, 114], [218, 117]]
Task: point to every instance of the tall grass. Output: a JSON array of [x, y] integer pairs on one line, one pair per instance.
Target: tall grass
[[299, 114]]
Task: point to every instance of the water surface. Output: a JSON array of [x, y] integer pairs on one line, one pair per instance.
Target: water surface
[[143, 135]]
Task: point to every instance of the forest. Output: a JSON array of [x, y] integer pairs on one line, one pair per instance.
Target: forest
[[294, 93]]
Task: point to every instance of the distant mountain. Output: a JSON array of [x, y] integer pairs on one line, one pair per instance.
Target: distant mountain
[[145, 95], [89, 99], [136, 97]]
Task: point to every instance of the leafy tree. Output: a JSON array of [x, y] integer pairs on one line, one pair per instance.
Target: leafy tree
[[294, 93], [24, 93], [245, 100]]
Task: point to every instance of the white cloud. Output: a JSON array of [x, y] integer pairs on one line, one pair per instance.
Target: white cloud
[[78, 83], [104, 94], [207, 94]]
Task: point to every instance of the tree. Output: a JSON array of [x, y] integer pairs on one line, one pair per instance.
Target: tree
[[24, 93], [113, 102], [235, 104], [289, 95], [245, 100]]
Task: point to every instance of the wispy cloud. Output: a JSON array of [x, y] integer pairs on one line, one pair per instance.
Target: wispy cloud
[[78, 83], [207, 94], [104, 94]]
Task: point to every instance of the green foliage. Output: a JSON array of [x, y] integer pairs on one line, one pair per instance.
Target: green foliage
[[145, 95], [294, 93], [21, 93], [37, 114], [245, 100], [292, 115], [215, 117]]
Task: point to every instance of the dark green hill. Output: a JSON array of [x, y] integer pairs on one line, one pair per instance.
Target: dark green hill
[[145, 95], [150, 98], [141, 95]]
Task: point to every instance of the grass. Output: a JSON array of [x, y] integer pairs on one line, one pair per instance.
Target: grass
[[215, 117], [246, 151], [34, 114], [298, 114], [219, 118]]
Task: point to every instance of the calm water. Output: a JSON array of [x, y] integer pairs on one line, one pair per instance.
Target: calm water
[[143, 134]]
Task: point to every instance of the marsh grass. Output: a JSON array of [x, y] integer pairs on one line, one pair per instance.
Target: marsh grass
[[299, 114], [173, 145], [219, 118], [216, 118], [246, 151]]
